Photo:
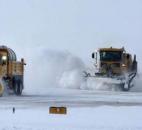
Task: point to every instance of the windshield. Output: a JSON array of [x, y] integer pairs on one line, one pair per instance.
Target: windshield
[[110, 55]]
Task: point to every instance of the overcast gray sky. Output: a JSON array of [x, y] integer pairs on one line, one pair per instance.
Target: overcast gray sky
[[78, 26]]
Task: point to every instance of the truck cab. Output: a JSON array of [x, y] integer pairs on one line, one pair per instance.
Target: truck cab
[[113, 61], [11, 71]]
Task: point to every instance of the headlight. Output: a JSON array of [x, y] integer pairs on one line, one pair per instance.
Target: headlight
[[123, 65], [4, 58]]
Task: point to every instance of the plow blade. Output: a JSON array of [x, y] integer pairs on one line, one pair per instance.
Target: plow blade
[[107, 81], [124, 81]]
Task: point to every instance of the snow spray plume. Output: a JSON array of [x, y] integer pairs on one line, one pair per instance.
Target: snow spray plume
[[50, 68]]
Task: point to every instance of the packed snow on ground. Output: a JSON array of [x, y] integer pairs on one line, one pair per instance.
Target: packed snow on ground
[[97, 118]]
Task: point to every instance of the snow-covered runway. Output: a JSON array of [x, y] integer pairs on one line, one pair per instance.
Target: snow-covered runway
[[86, 118], [73, 98], [86, 110]]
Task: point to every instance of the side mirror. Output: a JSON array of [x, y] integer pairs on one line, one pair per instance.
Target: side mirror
[[23, 61], [134, 57], [93, 55]]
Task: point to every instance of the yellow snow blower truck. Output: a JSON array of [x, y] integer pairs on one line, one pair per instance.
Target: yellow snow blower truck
[[11, 72], [114, 66]]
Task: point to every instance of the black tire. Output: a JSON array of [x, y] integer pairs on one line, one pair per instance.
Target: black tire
[[18, 87]]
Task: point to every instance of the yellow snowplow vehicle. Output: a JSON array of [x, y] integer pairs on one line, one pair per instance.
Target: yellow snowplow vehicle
[[114, 66], [11, 72]]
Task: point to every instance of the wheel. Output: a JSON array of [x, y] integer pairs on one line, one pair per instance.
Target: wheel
[[18, 87]]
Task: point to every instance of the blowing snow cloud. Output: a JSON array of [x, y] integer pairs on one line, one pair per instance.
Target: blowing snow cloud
[[50, 68]]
